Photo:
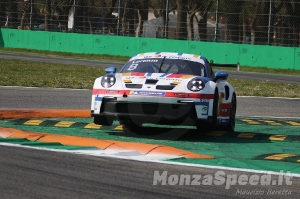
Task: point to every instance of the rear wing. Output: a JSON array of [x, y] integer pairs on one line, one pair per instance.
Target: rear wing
[[237, 66]]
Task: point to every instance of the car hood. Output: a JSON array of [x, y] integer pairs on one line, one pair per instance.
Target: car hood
[[154, 81]]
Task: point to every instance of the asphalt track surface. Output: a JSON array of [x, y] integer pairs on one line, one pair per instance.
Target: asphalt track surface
[[238, 75], [30, 173], [48, 98]]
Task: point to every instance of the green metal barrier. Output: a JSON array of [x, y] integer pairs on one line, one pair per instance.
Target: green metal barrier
[[250, 55]]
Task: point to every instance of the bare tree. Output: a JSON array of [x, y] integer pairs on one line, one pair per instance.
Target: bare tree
[[260, 20], [12, 9], [142, 7], [181, 25], [198, 10], [80, 16], [296, 18], [233, 20], [109, 20], [65, 10], [159, 10], [3, 5], [127, 17], [288, 23], [193, 7], [47, 14]]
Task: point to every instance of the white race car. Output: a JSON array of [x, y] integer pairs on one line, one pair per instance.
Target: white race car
[[165, 88]]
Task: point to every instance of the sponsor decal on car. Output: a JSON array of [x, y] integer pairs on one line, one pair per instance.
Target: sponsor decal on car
[[204, 100], [179, 57], [112, 91], [182, 76], [204, 110], [181, 94], [147, 93]]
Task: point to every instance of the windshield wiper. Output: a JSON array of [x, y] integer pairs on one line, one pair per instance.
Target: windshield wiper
[[161, 64]]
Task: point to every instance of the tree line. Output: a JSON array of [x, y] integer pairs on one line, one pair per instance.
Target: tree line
[[273, 22]]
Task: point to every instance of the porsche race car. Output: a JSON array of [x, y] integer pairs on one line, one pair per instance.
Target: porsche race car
[[165, 88]]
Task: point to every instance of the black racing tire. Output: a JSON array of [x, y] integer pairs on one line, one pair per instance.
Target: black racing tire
[[231, 124], [214, 120], [130, 124], [204, 126], [103, 120]]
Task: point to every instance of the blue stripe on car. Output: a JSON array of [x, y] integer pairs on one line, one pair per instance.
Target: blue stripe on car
[[165, 74], [98, 98], [201, 103]]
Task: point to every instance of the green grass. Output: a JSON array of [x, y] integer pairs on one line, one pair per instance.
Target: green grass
[[124, 59], [263, 70], [264, 88], [40, 74], [66, 55]]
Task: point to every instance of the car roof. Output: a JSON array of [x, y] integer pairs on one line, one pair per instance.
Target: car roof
[[170, 55]]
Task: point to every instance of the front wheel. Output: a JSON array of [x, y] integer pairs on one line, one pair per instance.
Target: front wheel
[[103, 120], [204, 126], [130, 124]]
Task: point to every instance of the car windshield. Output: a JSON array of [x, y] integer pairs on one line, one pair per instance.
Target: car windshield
[[155, 65]]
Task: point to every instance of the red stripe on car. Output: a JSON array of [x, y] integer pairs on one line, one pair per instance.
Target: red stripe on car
[[224, 110], [167, 94]]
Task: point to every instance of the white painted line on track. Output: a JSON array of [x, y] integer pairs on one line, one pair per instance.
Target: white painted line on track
[[288, 98], [75, 89], [112, 153], [152, 160], [269, 117]]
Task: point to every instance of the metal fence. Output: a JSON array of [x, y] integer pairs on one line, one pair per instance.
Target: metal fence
[[265, 22]]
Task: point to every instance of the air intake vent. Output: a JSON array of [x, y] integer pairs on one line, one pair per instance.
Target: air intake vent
[[151, 81], [165, 87], [134, 85]]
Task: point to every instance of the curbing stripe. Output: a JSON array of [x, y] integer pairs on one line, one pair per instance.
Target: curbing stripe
[[246, 135], [277, 137], [64, 124], [216, 133], [279, 156], [293, 123], [10, 114], [69, 124], [283, 157], [101, 144], [92, 126], [254, 121], [33, 122]]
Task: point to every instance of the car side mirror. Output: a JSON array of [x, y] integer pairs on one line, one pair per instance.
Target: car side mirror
[[221, 75], [111, 69]]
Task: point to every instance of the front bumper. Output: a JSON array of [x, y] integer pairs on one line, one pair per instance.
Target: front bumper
[[179, 111]]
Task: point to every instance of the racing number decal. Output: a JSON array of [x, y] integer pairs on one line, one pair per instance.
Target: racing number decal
[[133, 66]]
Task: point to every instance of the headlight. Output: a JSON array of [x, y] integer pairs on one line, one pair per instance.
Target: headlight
[[108, 81], [196, 84]]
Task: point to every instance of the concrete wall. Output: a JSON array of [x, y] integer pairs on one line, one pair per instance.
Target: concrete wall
[[251, 55]]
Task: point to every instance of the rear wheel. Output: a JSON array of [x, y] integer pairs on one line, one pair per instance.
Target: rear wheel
[[215, 109], [231, 124], [102, 120]]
